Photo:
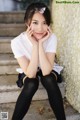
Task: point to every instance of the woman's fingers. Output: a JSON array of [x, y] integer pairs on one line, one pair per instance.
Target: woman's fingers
[[29, 28], [29, 31], [30, 35], [49, 29]]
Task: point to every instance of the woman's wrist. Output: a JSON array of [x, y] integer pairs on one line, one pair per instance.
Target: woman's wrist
[[40, 43], [36, 46]]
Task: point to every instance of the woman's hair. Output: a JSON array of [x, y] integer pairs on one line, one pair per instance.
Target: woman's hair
[[37, 7]]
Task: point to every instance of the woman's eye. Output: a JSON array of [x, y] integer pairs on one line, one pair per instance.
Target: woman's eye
[[45, 23], [35, 23]]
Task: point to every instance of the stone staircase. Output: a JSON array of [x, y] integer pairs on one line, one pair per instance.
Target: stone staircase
[[11, 25]]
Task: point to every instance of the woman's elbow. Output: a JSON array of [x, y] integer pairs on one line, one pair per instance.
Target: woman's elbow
[[30, 75], [46, 72]]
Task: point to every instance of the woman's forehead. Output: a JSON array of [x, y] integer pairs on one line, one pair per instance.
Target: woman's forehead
[[38, 16]]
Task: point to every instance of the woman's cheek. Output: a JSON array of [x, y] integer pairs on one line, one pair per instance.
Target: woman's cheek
[[45, 30], [33, 27]]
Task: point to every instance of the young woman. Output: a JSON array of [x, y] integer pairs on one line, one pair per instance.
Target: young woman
[[35, 51]]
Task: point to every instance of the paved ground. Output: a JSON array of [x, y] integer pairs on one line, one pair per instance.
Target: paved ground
[[40, 110]]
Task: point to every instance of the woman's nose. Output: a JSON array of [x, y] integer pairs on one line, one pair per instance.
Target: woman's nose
[[40, 28]]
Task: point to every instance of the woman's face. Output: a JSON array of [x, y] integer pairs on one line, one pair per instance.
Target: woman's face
[[38, 26]]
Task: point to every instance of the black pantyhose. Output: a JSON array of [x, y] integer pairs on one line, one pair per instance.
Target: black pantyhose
[[54, 95], [24, 99], [30, 87]]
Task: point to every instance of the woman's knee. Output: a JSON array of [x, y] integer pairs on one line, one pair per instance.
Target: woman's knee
[[49, 78], [31, 85]]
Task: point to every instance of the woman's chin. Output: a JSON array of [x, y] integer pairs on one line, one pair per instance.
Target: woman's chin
[[38, 37]]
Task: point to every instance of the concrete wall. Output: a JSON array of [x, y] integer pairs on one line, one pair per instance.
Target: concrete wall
[[66, 25]]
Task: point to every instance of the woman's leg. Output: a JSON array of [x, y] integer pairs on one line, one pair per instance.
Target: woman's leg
[[25, 97], [54, 95]]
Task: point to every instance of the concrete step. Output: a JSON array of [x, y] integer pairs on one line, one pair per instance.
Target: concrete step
[[8, 64], [8, 80], [10, 30], [12, 17], [5, 46], [10, 93], [40, 110], [8, 76]]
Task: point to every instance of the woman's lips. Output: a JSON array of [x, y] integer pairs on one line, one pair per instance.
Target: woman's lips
[[39, 33]]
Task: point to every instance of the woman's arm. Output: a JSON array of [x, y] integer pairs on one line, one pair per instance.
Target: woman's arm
[[30, 67], [46, 60]]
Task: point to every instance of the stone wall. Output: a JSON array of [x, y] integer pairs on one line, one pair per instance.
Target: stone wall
[[66, 25]]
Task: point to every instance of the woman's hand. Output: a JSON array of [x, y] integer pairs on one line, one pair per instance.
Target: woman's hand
[[29, 32], [48, 34]]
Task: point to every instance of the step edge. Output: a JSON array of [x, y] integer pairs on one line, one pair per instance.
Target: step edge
[[6, 88], [11, 24], [11, 87], [5, 39], [8, 62]]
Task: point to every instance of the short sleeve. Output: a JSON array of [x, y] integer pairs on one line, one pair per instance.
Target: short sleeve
[[16, 49], [51, 44]]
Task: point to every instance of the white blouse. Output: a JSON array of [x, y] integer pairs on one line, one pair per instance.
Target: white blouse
[[22, 46]]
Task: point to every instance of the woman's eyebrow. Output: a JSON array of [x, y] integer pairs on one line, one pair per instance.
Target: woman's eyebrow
[[34, 20], [37, 20]]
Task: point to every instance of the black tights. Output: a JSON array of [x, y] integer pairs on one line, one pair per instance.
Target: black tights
[[29, 89]]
